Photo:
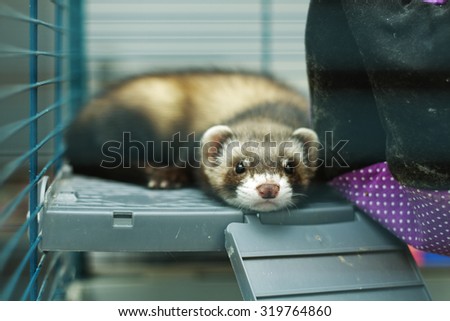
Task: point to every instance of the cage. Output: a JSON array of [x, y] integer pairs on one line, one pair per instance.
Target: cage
[[54, 54], [35, 110]]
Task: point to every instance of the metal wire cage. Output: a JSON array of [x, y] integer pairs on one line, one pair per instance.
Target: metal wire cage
[[43, 82], [41, 87]]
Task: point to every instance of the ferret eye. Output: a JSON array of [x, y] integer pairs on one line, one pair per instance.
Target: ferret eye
[[240, 168], [289, 168]]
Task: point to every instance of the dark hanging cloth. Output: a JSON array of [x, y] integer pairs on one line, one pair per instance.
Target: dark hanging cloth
[[379, 75]]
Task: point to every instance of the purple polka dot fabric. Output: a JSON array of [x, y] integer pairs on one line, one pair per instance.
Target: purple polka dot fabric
[[437, 2], [419, 217]]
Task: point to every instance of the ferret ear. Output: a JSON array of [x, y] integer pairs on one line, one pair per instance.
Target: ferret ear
[[212, 143], [310, 145]]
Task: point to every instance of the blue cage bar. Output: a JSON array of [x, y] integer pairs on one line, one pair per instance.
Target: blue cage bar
[[43, 281]]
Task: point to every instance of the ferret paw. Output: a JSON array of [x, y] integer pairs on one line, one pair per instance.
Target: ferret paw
[[163, 184], [167, 178]]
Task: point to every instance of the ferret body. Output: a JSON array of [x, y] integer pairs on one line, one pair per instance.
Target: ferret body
[[242, 137]]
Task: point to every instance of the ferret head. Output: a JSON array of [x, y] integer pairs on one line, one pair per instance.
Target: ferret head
[[258, 175]]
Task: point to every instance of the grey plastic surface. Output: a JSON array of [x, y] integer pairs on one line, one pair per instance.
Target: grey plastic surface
[[347, 260], [324, 250], [90, 214], [311, 213]]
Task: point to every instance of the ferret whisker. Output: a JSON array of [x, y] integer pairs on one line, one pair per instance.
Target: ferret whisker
[[300, 194], [291, 204]]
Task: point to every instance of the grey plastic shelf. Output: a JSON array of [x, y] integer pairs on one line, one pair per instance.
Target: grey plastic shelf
[[90, 214], [353, 259]]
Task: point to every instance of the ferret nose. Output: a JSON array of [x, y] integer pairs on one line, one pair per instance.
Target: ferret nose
[[267, 191]]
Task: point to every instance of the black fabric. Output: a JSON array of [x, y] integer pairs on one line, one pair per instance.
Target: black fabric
[[384, 64], [341, 95]]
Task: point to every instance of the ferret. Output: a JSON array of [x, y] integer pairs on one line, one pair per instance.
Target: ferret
[[242, 137]]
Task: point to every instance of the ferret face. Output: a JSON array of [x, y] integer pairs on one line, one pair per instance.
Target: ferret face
[[253, 176]]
